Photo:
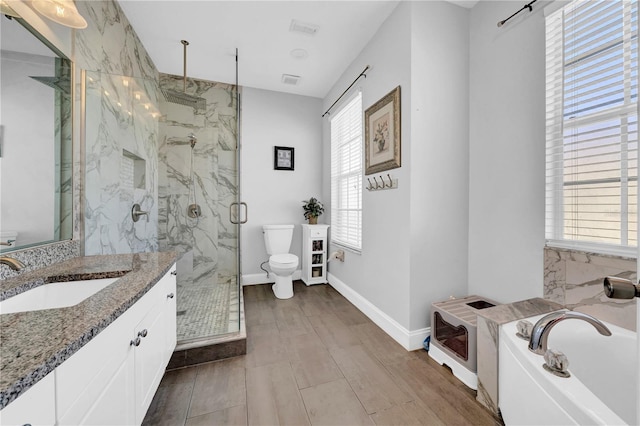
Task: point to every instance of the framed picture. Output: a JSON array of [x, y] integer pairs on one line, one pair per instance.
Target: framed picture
[[283, 158], [382, 134]]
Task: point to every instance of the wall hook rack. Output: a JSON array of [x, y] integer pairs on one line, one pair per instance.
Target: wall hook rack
[[381, 182]]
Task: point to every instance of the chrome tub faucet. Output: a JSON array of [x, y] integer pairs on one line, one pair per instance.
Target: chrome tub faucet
[[541, 329]]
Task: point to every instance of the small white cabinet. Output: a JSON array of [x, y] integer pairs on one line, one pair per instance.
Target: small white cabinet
[[113, 378], [314, 254]]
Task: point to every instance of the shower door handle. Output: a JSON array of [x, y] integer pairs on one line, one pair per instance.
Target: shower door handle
[[246, 212]]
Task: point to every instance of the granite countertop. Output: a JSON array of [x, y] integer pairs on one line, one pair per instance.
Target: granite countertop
[[34, 343]]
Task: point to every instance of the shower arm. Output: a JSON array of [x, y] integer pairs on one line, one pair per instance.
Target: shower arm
[[185, 43]]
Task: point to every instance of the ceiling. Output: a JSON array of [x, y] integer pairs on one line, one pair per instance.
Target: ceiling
[[261, 32]]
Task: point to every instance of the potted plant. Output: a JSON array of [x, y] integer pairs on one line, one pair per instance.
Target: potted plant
[[312, 209]]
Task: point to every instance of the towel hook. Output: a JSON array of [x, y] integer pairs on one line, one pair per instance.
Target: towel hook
[[370, 187], [377, 184]]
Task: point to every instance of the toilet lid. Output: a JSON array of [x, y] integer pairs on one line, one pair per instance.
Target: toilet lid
[[284, 258]]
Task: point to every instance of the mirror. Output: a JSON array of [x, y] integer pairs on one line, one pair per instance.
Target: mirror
[[35, 139]]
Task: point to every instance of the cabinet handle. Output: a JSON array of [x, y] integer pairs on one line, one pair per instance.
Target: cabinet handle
[[174, 273], [142, 333], [135, 342], [170, 295]]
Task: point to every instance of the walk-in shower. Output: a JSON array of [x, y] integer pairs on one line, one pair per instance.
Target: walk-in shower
[[198, 183], [180, 163]]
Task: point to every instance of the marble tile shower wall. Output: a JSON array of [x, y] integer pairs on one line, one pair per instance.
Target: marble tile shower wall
[[120, 102], [121, 114], [574, 279], [211, 240], [110, 45]]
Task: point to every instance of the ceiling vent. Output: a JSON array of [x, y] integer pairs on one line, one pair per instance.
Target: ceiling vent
[[290, 79], [303, 27]]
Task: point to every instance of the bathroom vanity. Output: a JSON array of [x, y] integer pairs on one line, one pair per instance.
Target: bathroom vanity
[[99, 361], [314, 254]]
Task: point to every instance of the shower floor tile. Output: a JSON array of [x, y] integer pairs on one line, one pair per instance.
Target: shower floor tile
[[208, 309]]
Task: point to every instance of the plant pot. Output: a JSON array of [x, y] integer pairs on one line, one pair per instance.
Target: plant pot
[[313, 220]]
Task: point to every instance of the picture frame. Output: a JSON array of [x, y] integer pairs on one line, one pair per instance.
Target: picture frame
[[283, 158], [382, 134]]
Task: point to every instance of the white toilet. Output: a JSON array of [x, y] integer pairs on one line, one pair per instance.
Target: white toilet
[[277, 239]]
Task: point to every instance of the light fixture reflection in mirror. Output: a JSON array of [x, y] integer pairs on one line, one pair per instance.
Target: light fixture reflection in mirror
[[63, 12]]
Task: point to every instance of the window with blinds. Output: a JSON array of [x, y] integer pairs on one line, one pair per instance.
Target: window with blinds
[[592, 126], [346, 175]]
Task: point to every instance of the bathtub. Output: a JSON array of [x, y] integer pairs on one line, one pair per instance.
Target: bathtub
[[602, 389]]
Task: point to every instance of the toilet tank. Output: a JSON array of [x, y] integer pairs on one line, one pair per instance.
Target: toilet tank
[[277, 238]]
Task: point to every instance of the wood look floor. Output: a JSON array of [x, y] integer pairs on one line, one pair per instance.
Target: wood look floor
[[315, 359]]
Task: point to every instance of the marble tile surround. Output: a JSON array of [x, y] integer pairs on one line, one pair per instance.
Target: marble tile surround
[[574, 280], [110, 51], [488, 323], [121, 115]]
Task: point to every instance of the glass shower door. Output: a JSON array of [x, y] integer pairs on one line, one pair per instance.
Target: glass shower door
[[208, 294]]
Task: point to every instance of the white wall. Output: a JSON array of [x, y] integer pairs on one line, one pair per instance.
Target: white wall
[[439, 155], [380, 274], [507, 144], [415, 238], [275, 196]]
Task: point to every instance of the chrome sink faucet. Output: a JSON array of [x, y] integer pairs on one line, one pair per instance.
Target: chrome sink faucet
[[541, 329], [14, 264]]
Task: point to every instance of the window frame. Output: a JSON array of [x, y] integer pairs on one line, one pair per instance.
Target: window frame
[[336, 209], [557, 124]]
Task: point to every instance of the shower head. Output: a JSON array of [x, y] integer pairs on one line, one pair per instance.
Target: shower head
[[182, 98], [192, 140]]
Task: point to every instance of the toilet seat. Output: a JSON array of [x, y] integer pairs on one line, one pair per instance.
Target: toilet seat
[[284, 259]]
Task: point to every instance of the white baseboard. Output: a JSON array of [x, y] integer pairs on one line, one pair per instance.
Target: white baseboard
[[410, 340], [253, 279]]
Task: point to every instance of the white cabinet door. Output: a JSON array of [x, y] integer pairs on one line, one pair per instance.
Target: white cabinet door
[[170, 326], [115, 405], [157, 332], [99, 377], [36, 406]]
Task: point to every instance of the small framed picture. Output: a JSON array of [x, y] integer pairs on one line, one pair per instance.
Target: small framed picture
[[283, 158]]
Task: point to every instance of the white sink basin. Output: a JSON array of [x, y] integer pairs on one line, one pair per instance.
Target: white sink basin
[[53, 295]]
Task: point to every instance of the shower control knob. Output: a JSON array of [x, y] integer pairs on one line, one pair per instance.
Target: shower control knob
[[135, 342], [170, 296]]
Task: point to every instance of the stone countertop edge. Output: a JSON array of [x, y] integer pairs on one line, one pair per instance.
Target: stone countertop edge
[[34, 343], [502, 314]]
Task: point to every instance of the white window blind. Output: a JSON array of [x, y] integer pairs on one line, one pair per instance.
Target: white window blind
[[346, 175], [592, 126]]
